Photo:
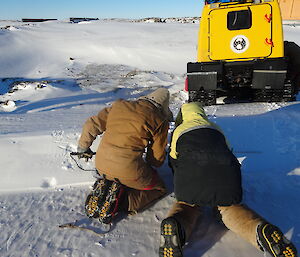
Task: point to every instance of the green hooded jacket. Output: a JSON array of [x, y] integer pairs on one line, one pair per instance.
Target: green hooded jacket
[[191, 116]]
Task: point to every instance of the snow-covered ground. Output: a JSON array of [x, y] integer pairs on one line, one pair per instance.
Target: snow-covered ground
[[54, 75]]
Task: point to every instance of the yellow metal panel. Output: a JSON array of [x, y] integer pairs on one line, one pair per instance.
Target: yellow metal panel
[[203, 36], [214, 38], [277, 31], [254, 42]]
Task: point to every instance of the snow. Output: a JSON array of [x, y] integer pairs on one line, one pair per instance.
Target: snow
[[54, 75], [295, 172]]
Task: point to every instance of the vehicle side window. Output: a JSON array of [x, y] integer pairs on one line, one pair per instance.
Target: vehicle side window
[[239, 20]]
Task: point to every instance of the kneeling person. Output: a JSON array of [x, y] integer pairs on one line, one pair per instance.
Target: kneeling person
[[132, 146]]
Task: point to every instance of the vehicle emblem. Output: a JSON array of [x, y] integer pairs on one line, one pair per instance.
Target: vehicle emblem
[[239, 44]]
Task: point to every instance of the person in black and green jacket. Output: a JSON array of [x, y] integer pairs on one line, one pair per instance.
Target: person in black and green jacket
[[206, 173]]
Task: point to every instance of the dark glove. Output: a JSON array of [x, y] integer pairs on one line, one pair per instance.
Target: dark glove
[[84, 153]]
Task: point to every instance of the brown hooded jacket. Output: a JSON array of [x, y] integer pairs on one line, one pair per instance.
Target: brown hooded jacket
[[130, 127]]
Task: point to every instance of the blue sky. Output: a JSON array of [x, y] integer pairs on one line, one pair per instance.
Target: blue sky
[[60, 9]]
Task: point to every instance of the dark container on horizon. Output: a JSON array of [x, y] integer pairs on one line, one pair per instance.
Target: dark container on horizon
[[37, 20]]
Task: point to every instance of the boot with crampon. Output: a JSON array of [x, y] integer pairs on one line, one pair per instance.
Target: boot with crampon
[[272, 240]]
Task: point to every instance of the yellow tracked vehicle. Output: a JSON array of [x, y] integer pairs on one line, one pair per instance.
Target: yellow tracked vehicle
[[240, 54]]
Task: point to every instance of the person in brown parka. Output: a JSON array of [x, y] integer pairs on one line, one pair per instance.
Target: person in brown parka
[[133, 144]]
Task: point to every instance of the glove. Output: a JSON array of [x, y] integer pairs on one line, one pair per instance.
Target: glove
[[84, 153]]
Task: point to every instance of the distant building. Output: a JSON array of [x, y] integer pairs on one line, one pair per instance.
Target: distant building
[[290, 9], [37, 20], [76, 20]]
